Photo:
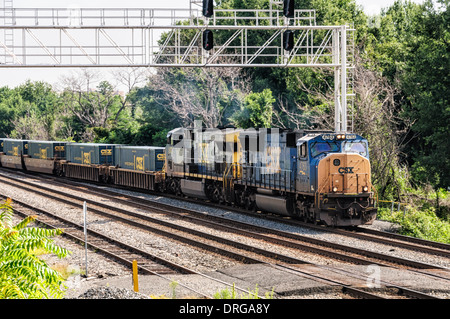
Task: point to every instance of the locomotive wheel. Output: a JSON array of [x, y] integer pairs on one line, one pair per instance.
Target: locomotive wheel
[[249, 204], [214, 192]]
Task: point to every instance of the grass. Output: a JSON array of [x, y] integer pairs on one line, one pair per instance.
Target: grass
[[221, 294], [232, 294]]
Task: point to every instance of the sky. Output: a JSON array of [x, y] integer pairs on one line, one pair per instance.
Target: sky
[[13, 77]]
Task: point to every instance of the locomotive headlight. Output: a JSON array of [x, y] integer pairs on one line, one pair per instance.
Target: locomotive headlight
[[365, 188], [335, 189], [340, 137]]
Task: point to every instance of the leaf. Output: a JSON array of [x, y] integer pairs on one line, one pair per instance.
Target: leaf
[[22, 273]]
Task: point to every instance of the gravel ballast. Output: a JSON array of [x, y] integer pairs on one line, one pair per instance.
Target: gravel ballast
[[101, 268]]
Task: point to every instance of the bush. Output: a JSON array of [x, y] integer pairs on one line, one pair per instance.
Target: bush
[[22, 274], [419, 223]]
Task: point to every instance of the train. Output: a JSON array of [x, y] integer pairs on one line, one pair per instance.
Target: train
[[315, 176]]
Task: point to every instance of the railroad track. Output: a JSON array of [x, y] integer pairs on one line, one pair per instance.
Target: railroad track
[[119, 251], [259, 230], [258, 255], [148, 263], [395, 240], [388, 292], [124, 253], [304, 243]]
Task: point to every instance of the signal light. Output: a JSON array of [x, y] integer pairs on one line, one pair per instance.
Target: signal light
[[288, 40], [208, 8], [208, 40], [288, 8]]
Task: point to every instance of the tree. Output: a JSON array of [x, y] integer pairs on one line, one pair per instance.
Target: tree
[[204, 94], [378, 117], [426, 82], [411, 45], [22, 274], [9, 99], [29, 111], [93, 102], [256, 112]]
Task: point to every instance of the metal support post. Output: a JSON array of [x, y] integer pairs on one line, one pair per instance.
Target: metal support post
[[85, 237], [343, 128]]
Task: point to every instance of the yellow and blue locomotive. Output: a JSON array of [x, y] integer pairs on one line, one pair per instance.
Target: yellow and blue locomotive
[[315, 176]]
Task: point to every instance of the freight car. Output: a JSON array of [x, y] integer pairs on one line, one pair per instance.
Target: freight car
[[311, 175], [13, 151], [138, 167], [88, 161]]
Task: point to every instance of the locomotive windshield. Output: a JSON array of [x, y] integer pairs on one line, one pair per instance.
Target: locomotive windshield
[[323, 147], [354, 147]]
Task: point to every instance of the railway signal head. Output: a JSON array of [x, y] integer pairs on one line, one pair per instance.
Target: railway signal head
[[288, 40], [208, 8], [208, 40], [288, 8]]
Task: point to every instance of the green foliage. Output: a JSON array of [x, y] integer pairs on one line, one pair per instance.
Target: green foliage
[[256, 111], [418, 223], [411, 46], [232, 294], [28, 111], [426, 215], [22, 274], [173, 287]]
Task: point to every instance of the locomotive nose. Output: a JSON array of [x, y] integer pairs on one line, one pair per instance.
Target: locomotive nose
[[344, 174]]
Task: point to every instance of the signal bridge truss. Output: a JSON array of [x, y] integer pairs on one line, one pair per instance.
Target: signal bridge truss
[[79, 37]]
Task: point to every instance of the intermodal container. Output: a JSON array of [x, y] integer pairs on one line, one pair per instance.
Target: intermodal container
[[13, 147], [47, 149], [140, 158], [90, 153]]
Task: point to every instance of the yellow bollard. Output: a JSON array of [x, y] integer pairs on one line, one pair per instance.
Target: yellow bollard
[[135, 276]]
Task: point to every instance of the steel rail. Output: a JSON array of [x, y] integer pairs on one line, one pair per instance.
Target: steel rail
[[70, 234], [390, 285], [259, 234]]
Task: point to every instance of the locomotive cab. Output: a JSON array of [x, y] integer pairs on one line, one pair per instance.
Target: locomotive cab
[[334, 170]]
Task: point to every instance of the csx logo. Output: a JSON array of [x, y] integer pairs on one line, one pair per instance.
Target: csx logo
[[106, 152], [345, 170]]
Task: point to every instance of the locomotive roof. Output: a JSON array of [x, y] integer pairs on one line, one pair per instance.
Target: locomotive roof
[[330, 136]]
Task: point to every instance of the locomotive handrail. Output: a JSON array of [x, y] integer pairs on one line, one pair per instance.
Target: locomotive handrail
[[375, 194], [319, 192], [278, 180]]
